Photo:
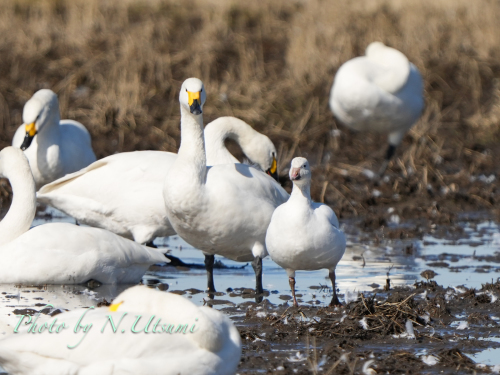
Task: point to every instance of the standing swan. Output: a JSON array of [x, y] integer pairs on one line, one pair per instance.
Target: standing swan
[[181, 338], [123, 193], [304, 235], [60, 253], [381, 91], [54, 147], [224, 209]]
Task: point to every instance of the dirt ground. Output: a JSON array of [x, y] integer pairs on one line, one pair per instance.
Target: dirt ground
[[372, 332]]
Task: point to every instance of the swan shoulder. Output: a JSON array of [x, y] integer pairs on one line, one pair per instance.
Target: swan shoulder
[[246, 182], [76, 147]]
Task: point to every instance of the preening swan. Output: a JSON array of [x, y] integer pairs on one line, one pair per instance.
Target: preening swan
[[304, 235], [60, 253], [54, 147], [381, 91], [123, 193], [224, 209], [180, 339]]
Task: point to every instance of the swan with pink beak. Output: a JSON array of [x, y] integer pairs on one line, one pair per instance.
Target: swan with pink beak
[[305, 235]]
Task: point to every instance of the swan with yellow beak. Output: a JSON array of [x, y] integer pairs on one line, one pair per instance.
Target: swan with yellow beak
[[54, 147]]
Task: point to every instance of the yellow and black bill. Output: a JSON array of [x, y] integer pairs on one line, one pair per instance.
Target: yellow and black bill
[[273, 171], [194, 102], [30, 134]]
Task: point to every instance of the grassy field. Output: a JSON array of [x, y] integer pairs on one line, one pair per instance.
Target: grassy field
[[117, 66]]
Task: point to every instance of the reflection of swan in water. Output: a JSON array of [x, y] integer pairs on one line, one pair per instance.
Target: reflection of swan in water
[[62, 297], [60, 253], [123, 192], [195, 340]]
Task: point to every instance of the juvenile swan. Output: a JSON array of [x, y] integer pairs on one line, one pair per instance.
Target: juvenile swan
[[54, 147], [123, 193], [381, 91], [180, 339], [224, 209], [304, 235], [60, 253]]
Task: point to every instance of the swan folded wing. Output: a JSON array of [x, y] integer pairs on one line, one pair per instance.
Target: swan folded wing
[[324, 211], [209, 345]]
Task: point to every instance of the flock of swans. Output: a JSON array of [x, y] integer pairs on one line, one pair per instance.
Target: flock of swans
[[202, 193]]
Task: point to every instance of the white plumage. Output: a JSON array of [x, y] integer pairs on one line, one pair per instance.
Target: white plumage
[[123, 193], [60, 253], [304, 235], [381, 91], [224, 209], [59, 146], [213, 348]]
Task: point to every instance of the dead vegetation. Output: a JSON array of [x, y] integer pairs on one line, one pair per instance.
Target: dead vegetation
[[117, 67]]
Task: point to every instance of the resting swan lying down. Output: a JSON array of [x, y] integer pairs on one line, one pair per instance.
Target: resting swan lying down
[[60, 253], [123, 193], [203, 340]]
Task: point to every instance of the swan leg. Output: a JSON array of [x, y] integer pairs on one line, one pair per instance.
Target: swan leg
[[335, 299], [391, 150], [209, 266], [291, 281], [257, 267], [151, 244]]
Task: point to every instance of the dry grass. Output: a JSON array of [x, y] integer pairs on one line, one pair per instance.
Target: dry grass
[[117, 67]]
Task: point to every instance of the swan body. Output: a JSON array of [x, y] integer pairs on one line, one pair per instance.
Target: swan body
[[381, 91], [305, 235], [123, 193], [211, 347], [54, 147], [224, 209], [60, 253]]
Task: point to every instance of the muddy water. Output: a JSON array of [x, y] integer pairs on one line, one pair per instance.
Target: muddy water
[[468, 261]]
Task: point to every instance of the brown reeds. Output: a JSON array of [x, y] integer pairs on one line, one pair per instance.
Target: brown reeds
[[117, 67]]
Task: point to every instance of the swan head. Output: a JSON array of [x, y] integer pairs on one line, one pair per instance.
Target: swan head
[[263, 153], [42, 106], [193, 95], [300, 171]]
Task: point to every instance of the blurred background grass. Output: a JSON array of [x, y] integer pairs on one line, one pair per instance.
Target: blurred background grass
[[117, 66]]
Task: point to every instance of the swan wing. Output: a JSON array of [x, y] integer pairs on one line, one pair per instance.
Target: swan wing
[[119, 193]]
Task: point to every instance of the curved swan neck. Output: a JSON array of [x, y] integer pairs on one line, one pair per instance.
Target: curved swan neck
[[217, 132], [23, 208], [192, 148]]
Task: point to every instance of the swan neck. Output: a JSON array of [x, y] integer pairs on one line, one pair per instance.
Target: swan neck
[[23, 208], [301, 191], [192, 147], [226, 128]]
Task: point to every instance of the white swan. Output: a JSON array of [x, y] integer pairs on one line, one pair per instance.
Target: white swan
[[304, 235], [54, 147], [60, 253], [123, 193], [381, 91], [203, 341], [224, 209]]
